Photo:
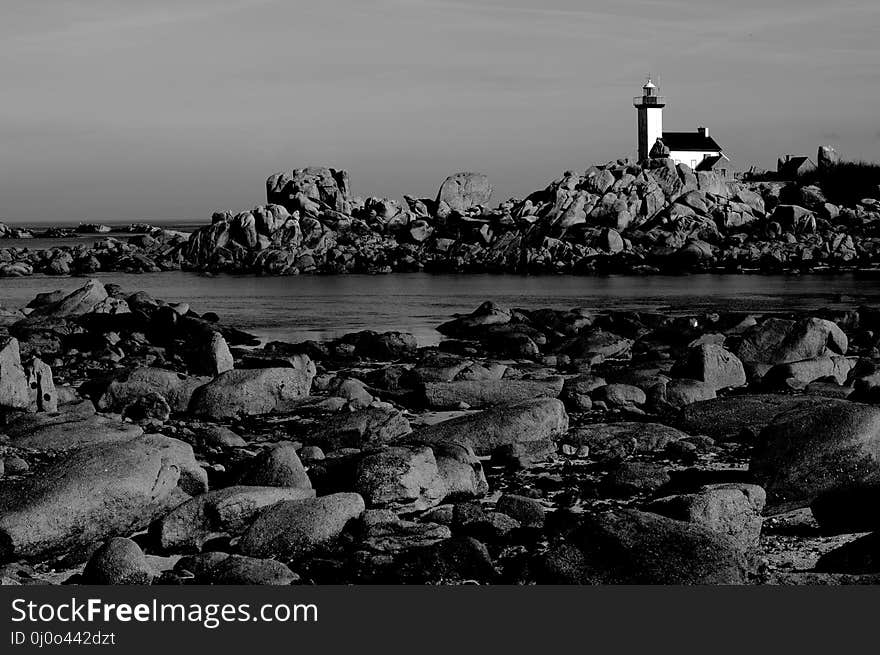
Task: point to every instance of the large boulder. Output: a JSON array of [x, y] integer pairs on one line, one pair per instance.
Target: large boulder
[[596, 344], [855, 509], [14, 392], [623, 439], [635, 478], [779, 341], [715, 365], [461, 471], [797, 375], [384, 532], [859, 556], [73, 426], [381, 346], [577, 391], [269, 218], [175, 388], [293, 528], [815, 448], [527, 511], [41, 386], [217, 513], [732, 509], [278, 466], [215, 356], [365, 427], [794, 218], [451, 560], [253, 391], [120, 561], [482, 317], [94, 493], [328, 186], [463, 191], [532, 420], [402, 478], [827, 157], [489, 393], [620, 395], [217, 568], [632, 547], [80, 301], [735, 418], [680, 392]]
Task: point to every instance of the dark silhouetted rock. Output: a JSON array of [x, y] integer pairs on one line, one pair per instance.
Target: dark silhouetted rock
[[814, 448], [632, 547]]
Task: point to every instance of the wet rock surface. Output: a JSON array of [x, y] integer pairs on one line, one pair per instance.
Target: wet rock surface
[[612, 447]]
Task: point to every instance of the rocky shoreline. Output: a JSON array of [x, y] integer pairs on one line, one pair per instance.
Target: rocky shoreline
[[623, 217], [145, 444]]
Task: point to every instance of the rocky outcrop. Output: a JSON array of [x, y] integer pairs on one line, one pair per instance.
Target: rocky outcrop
[[623, 216], [294, 189], [81, 301]]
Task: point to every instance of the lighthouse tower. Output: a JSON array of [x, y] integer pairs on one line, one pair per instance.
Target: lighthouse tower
[[650, 109]]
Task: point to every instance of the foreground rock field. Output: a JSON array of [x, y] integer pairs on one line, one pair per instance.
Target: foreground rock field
[[145, 444], [623, 217]]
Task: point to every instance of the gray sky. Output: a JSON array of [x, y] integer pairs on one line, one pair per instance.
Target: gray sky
[[170, 109]]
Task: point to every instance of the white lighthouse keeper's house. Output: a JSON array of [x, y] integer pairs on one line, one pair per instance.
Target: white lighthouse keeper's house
[[696, 149]]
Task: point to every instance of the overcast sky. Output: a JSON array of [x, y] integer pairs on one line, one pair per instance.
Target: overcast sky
[[170, 109]]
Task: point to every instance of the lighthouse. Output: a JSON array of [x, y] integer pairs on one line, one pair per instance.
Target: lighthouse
[[650, 109]]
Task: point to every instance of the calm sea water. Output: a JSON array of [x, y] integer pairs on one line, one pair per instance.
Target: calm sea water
[[320, 307]]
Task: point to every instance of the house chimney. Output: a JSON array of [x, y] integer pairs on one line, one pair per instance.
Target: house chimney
[[702, 131]]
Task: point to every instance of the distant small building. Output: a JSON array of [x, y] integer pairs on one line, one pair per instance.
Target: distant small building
[[696, 149], [791, 167]]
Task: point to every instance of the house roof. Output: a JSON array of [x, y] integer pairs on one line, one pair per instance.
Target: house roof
[[690, 141], [708, 163], [796, 162], [793, 165]]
